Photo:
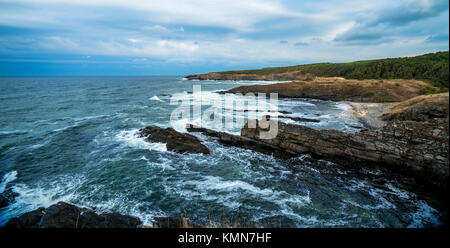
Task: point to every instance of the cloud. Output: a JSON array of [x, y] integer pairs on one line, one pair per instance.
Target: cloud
[[301, 44], [382, 24], [438, 38], [178, 45], [225, 34]]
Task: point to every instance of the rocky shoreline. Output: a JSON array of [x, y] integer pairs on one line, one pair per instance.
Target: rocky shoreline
[[339, 89], [409, 137], [416, 149]]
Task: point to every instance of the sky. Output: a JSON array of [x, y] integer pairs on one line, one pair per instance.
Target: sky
[[180, 37]]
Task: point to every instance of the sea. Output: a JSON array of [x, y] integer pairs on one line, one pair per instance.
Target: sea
[[76, 140]]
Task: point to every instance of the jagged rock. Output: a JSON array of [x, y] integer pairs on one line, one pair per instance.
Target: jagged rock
[[7, 197], [244, 142], [175, 141], [64, 215]]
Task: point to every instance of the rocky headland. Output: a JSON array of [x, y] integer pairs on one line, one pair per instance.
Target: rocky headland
[[286, 76], [413, 141]]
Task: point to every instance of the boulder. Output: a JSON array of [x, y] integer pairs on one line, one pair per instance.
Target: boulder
[[175, 141]]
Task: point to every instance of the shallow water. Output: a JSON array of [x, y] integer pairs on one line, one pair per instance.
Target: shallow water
[[74, 140]]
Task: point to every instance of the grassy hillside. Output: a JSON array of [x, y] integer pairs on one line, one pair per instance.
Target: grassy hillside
[[432, 67]]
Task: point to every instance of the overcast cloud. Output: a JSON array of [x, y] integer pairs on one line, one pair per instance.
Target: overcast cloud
[[174, 37]]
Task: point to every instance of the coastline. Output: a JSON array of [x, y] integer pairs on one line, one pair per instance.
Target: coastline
[[370, 113]]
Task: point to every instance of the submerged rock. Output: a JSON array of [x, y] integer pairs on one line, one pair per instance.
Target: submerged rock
[[175, 141], [300, 119], [65, 215]]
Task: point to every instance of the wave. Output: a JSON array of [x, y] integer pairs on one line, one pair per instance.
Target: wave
[[7, 178], [155, 98], [42, 194], [13, 132], [131, 138]]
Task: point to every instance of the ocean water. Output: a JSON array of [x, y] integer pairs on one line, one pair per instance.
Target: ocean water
[[74, 140]]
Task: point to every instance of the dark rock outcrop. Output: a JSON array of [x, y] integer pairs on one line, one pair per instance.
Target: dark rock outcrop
[[7, 197], [64, 215], [175, 141], [244, 142]]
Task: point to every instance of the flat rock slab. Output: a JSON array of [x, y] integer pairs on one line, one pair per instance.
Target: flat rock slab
[[175, 141]]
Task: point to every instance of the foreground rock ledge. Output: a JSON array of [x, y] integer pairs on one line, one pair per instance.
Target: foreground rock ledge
[[64, 215], [175, 141]]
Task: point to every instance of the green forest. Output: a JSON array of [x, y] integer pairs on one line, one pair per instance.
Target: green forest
[[432, 67]]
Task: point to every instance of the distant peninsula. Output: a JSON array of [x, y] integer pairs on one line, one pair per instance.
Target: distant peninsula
[[432, 68]]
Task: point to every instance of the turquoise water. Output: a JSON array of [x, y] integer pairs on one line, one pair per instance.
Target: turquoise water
[[74, 140]]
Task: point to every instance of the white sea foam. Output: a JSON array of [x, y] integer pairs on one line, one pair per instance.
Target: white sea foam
[[41, 195], [343, 106], [131, 138], [7, 178], [155, 98], [217, 183], [424, 216]]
